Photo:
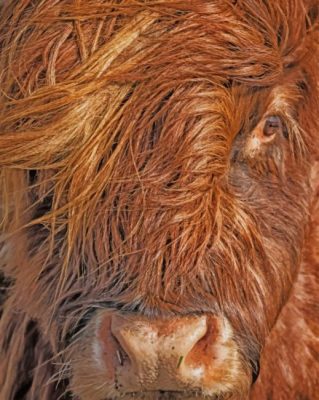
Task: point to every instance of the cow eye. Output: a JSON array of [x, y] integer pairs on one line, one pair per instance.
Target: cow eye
[[273, 125]]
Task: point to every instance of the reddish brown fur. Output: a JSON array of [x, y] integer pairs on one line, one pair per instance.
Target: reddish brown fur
[[127, 181]]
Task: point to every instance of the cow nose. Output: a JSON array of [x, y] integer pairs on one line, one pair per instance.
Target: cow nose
[[169, 355], [145, 342]]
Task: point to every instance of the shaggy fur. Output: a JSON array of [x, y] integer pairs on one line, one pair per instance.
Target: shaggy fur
[[128, 180]]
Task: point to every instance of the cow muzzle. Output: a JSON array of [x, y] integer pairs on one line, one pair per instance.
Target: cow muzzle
[[189, 356]]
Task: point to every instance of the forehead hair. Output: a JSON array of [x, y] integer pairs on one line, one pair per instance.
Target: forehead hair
[[118, 118]]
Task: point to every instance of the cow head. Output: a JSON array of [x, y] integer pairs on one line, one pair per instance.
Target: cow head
[[156, 164]]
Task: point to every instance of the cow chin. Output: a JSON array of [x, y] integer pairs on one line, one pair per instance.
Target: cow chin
[[124, 356]]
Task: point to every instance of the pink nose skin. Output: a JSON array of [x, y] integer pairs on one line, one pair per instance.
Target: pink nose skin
[[191, 354]]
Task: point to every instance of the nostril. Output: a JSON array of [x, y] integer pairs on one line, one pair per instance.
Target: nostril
[[136, 339], [190, 334], [108, 350], [122, 355], [204, 351], [255, 370], [119, 357]]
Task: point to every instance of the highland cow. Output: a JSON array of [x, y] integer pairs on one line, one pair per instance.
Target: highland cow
[[159, 199]]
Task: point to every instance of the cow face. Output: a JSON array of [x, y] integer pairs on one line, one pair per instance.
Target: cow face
[[157, 187]]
